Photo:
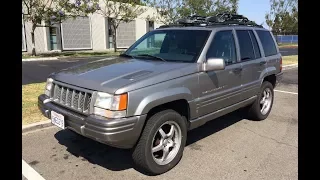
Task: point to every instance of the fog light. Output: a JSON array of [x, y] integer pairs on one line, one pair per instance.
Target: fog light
[[47, 92]]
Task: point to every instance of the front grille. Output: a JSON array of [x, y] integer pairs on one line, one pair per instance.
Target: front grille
[[71, 97]]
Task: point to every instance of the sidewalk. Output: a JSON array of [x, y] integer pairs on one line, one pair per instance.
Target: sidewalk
[[70, 55]]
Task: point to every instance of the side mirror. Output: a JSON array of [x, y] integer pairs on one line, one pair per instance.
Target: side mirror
[[213, 64]]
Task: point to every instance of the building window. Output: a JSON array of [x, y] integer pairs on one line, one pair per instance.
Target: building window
[[150, 26], [110, 32], [53, 38]]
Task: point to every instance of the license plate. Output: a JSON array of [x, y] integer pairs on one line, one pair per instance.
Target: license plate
[[57, 119]]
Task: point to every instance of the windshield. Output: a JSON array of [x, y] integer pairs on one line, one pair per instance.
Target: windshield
[[170, 45]]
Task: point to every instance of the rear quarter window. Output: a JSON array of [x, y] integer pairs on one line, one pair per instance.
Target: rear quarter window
[[267, 42]]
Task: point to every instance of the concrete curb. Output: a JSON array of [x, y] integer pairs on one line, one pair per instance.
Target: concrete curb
[[289, 66], [64, 58], [37, 125], [40, 59]]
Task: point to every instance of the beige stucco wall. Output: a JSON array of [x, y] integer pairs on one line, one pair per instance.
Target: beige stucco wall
[[40, 38], [98, 30]]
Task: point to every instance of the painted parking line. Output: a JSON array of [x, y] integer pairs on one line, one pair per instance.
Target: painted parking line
[[287, 92], [289, 65], [109, 58], [290, 68], [29, 172]]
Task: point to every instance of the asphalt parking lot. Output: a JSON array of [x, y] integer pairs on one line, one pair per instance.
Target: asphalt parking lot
[[229, 147], [38, 71], [288, 51]]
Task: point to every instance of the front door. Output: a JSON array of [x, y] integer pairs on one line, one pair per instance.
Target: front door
[[220, 89]]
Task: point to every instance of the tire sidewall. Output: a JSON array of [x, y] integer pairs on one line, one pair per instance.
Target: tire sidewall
[[264, 86], [170, 116]]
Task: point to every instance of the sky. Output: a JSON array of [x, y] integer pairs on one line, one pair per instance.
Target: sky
[[254, 10]]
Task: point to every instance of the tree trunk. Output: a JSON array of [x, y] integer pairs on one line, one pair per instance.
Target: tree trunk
[[33, 40], [114, 40]]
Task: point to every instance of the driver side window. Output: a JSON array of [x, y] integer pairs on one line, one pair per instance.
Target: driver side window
[[223, 46]]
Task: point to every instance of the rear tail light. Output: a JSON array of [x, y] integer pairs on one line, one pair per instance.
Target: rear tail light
[[280, 64]]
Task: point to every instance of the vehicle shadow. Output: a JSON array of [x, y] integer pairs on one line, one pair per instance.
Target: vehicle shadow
[[120, 159]]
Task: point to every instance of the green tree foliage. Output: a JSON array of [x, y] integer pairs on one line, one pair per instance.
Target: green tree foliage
[[207, 7], [283, 16], [120, 11], [166, 10], [171, 10], [45, 13]]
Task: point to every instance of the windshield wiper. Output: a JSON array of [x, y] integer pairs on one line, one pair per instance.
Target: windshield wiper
[[125, 55], [152, 56]]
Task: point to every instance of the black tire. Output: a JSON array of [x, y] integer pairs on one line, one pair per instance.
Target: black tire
[[254, 110], [142, 155]]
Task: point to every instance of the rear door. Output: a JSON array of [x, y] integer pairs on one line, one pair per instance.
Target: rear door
[[252, 62], [270, 50]]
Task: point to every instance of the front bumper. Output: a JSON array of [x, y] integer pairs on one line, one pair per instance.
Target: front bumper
[[279, 78], [121, 133]]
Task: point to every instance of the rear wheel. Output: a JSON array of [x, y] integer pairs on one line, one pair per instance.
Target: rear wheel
[[161, 145], [260, 109]]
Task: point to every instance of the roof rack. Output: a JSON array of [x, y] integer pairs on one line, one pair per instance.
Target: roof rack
[[219, 19]]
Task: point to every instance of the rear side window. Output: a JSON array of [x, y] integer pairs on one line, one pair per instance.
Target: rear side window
[[223, 46], [246, 46], [255, 45], [267, 42]]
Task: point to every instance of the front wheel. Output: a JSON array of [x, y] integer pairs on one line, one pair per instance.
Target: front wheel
[[261, 107], [161, 145]]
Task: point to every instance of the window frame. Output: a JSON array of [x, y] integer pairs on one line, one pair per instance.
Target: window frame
[[261, 45], [254, 50], [197, 58], [235, 45], [247, 29]]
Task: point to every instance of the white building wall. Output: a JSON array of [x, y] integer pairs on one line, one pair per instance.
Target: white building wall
[[141, 28], [99, 32], [157, 25], [40, 38]]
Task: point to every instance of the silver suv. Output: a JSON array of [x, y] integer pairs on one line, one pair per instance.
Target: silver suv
[[172, 80]]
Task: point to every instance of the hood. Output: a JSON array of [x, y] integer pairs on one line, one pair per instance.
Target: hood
[[108, 75]]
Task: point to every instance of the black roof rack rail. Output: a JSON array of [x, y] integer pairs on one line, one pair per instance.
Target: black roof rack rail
[[219, 19]]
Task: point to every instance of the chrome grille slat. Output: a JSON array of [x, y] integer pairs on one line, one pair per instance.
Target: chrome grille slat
[[87, 102], [84, 100], [76, 99], [79, 101], [71, 97], [68, 97], [63, 95]]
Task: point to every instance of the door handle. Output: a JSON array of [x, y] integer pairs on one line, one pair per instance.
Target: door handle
[[237, 70], [263, 62]]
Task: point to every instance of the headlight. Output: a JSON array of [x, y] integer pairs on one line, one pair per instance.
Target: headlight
[[103, 100], [48, 86], [110, 106]]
